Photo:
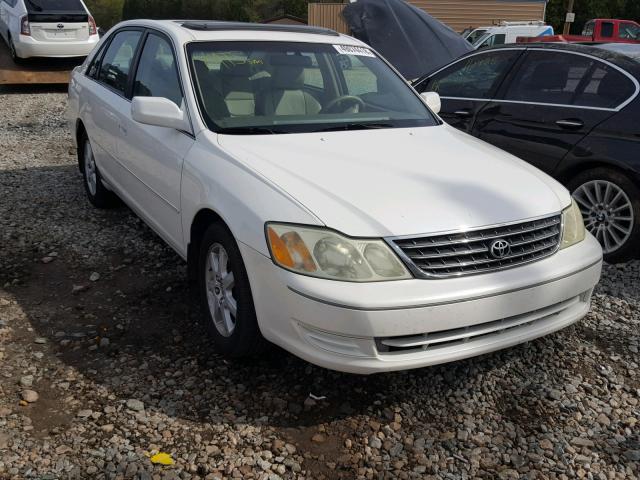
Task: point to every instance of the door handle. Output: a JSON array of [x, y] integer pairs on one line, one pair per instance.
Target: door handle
[[570, 124], [463, 113], [123, 130]]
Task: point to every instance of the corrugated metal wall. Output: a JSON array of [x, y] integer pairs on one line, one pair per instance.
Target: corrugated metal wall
[[328, 15], [458, 14]]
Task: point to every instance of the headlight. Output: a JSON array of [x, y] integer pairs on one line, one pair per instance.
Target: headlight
[[573, 231], [323, 253]]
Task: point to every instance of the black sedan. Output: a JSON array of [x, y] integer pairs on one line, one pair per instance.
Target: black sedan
[[570, 110]]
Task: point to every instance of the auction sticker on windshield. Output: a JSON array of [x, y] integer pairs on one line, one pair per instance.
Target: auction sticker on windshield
[[354, 50]]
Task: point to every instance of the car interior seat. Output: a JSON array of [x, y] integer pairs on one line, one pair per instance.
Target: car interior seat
[[237, 90], [286, 94]]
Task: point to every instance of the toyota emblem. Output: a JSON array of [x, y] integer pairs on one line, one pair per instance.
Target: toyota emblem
[[60, 26], [499, 248]]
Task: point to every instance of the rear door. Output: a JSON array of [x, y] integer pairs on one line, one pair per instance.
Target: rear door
[[469, 84], [58, 20], [550, 103]]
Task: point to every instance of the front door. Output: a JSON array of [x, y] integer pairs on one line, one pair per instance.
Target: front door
[[467, 85], [153, 156]]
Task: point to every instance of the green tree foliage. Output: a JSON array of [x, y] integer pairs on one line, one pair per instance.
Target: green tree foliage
[[106, 12], [587, 9]]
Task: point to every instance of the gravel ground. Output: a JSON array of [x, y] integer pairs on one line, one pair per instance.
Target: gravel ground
[[104, 362]]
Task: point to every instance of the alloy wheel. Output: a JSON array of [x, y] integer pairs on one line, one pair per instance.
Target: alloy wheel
[[90, 173], [607, 211], [220, 283]]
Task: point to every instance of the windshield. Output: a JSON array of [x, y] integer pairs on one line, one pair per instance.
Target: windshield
[[475, 35], [284, 87]]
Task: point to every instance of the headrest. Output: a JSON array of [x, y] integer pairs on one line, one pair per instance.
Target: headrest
[[549, 76], [235, 69], [288, 78], [290, 61]]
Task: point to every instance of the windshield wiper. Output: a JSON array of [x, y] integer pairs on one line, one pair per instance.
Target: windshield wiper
[[356, 126], [249, 131]]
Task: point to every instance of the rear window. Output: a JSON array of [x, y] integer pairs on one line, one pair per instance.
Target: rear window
[[40, 6]]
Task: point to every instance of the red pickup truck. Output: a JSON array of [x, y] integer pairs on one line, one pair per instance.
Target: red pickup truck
[[598, 30]]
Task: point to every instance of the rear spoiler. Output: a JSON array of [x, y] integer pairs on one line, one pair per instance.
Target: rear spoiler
[[63, 16]]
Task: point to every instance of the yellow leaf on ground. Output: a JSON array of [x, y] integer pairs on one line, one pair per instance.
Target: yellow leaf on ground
[[162, 459]]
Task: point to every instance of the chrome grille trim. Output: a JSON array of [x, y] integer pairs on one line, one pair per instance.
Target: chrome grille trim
[[461, 253]]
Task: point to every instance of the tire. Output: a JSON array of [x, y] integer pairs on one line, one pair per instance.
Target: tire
[[14, 55], [97, 193], [227, 301], [610, 205]]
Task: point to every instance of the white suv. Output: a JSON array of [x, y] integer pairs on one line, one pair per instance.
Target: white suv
[[47, 28], [329, 211]]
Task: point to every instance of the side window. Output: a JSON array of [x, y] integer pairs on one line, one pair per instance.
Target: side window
[[497, 39], [549, 77], [606, 29], [116, 63], [94, 66], [313, 74], [629, 31], [157, 74], [357, 77], [475, 77], [606, 88], [587, 31]]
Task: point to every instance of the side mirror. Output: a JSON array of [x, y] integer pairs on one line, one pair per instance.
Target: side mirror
[[159, 112], [432, 99]]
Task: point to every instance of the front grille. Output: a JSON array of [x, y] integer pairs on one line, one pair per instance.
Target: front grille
[[471, 252]]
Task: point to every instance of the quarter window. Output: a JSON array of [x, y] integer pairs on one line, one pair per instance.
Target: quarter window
[[116, 63], [157, 74], [606, 88], [475, 77]]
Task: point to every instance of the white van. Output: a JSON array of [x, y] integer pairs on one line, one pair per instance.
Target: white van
[[506, 32]]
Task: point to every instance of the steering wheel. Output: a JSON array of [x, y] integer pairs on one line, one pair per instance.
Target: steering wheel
[[329, 107]]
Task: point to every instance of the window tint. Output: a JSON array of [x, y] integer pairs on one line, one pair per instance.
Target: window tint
[[157, 74], [116, 63], [606, 29], [475, 77], [549, 77], [606, 87], [54, 5], [566, 79]]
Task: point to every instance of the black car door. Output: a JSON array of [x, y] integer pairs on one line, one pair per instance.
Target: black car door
[[468, 84], [548, 103]]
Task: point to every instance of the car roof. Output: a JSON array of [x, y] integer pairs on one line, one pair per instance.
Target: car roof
[[209, 30]]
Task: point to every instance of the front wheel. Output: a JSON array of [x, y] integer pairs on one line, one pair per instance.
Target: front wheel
[[610, 204], [225, 295]]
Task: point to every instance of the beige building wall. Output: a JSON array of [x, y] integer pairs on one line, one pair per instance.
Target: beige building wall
[[458, 14]]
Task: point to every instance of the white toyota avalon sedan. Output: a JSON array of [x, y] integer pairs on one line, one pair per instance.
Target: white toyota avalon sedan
[[325, 209], [47, 28]]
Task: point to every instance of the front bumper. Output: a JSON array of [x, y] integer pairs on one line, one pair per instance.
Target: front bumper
[[27, 47], [375, 327]]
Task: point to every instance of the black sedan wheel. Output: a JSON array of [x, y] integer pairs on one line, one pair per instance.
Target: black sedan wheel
[[610, 205]]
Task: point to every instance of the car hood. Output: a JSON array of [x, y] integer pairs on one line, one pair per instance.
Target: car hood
[[405, 181]]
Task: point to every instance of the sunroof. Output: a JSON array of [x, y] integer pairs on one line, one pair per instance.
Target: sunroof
[[205, 25]]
